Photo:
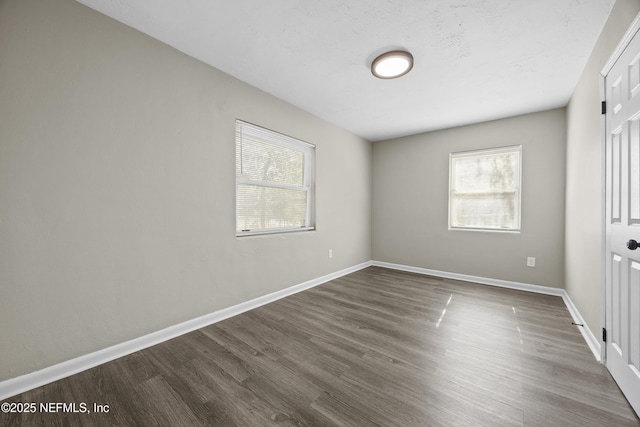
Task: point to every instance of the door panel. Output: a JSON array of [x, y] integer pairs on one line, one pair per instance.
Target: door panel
[[622, 288], [614, 170], [634, 172], [634, 315]]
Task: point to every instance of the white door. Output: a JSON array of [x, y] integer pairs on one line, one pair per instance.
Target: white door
[[622, 286]]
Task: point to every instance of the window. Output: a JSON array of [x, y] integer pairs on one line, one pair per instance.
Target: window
[[274, 182], [484, 189]]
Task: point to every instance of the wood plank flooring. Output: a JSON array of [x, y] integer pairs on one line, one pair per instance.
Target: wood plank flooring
[[376, 347]]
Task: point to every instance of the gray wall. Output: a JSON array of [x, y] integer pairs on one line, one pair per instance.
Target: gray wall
[[410, 202], [117, 174], [584, 210]]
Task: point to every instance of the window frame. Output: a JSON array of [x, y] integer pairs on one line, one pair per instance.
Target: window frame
[[280, 140], [517, 191]]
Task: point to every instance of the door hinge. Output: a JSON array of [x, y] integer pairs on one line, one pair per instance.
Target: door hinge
[[604, 335], [604, 107]]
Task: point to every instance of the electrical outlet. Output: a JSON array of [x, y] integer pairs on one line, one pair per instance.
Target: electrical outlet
[[330, 253], [531, 261]]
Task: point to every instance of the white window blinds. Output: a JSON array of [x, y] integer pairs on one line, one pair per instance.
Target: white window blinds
[[484, 189], [274, 181]]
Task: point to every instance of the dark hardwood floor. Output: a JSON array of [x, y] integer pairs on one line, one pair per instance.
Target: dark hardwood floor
[[376, 347]]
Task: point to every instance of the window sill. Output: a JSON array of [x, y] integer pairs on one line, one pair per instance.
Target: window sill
[[273, 231], [486, 230]]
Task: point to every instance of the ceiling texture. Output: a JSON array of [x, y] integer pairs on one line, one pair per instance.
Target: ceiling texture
[[474, 60]]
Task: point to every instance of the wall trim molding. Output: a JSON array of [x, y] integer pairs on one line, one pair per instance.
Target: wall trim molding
[[593, 342], [17, 385], [547, 290], [590, 339]]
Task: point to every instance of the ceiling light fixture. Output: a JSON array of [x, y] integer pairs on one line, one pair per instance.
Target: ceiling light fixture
[[392, 64]]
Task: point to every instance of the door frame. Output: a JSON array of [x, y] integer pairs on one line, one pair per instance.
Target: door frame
[[622, 45]]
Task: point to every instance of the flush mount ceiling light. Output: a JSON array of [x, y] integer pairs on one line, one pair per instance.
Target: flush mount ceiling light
[[392, 64]]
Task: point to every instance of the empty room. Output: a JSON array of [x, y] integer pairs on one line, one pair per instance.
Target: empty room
[[341, 212]]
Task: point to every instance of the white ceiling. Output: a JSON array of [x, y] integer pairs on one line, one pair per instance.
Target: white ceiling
[[475, 60]]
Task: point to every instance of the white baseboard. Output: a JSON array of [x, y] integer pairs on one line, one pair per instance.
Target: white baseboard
[[14, 386], [591, 340], [547, 290]]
